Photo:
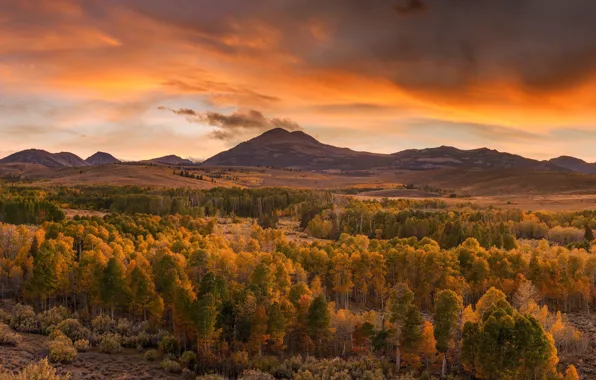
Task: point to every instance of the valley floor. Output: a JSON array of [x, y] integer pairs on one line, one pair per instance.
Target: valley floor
[[91, 365]]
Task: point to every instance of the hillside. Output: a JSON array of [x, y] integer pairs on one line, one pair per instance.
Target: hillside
[[280, 148], [102, 158], [574, 164], [450, 157], [297, 150], [42, 157], [171, 160]]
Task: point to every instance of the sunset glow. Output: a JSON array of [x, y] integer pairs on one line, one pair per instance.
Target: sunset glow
[[89, 75]]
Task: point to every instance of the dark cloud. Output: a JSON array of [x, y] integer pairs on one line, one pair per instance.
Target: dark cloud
[[229, 127], [454, 45], [180, 111], [410, 6]]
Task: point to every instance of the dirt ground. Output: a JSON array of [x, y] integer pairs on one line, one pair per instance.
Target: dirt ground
[[71, 213], [128, 365], [586, 362]]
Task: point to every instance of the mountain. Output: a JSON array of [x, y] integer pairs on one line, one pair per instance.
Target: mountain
[[281, 148], [102, 158], [42, 157], [70, 159], [171, 160], [450, 157], [574, 164]]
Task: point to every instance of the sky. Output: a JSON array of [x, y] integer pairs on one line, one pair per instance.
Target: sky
[[146, 78]]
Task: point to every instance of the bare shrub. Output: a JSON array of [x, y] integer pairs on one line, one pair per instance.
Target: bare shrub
[[256, 375], [103, 324], [23, 319], [188, 360], [110, 343], [35, 371], [62, 350], [51, 318], [82, 345], [7, 337], [151, 355], [73, 329], [168, 344], [171, 366]]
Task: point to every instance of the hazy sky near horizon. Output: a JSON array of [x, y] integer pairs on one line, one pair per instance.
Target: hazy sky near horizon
[[145, 78]]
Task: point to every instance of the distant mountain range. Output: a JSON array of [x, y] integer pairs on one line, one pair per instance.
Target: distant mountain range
[[298, 150], [280, 148]]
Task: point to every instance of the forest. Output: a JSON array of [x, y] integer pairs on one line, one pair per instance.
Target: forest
[[212, 285]]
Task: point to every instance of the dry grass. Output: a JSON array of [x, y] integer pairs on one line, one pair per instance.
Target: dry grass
[[90, 365], [533, 190]]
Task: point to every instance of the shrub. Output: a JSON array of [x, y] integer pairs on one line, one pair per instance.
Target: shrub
[[130, 341], [168, 344], [171, 366], [188, 360], [23, 319], [7, 337], [51, 318], [265, 363], [82, 345], [103, 324], [156, 338], [40, 371], [210, 377], [256, 375], [110, 343], [73, 329], [151, 355], [144, 339], [62, 350], [4, 316], [125, 327]]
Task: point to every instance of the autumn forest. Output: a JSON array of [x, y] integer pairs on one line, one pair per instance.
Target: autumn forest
[[295, 284]]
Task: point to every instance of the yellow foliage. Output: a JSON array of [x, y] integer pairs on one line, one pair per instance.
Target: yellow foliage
[[571, 373]]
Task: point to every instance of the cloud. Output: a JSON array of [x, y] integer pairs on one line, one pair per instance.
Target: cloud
[[410, 6], [229, 127], [486, 132], [366, 66]]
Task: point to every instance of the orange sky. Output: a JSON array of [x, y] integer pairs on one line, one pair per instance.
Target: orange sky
[[88, 75]]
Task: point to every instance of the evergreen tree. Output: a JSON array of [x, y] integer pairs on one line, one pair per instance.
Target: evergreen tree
[[113, 286], [406, 319], [588, 233], [318, 321], [448, 308]]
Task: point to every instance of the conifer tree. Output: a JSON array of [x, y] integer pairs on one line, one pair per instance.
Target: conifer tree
[[448, 308]]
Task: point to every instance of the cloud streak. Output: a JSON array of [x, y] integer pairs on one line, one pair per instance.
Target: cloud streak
[[229, 127]]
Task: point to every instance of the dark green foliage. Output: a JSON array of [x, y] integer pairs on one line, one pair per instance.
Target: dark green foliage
[[28, 210]]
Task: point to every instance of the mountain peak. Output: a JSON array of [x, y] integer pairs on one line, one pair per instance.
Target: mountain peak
[[171, 159], [102, 158], [42, 157], [280, 135]]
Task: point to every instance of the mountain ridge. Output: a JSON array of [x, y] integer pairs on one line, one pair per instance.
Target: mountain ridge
[[171, 159], [45, 158], [298, 150]]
